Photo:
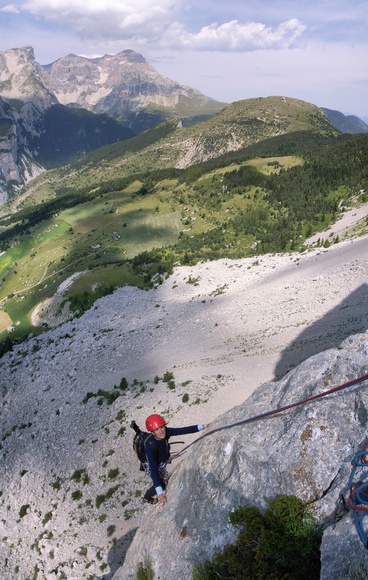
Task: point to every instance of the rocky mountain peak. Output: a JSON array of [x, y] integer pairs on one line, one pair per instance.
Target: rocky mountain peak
[[130, 56], [16, 58], [114, 83], [21, 76]]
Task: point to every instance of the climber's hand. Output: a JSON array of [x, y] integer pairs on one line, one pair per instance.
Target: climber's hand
[[162, 499]]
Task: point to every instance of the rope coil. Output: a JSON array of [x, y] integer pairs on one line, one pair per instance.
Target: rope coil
[[358, 498]]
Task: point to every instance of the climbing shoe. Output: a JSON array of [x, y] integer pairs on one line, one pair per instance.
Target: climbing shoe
[[152, 501]]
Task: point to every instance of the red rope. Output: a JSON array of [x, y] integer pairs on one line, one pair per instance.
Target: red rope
[[274, 412], [362, 463]]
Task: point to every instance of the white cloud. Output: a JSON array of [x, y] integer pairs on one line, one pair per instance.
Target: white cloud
[[163, 23], [10, 8], [98, 19], [236, 36], [244, 52]]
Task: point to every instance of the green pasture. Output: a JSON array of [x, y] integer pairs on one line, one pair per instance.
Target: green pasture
[[123, 225], [5, 321], [40, 236], [262, 164], [265, 164], [145, 231], [99, 233], [166, 185], [105, 276], [19, 309], [133, 187], [31, 262], [115, 207]]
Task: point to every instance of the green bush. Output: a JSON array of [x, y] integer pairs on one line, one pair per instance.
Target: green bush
[[144, 571], [113, 473], [23, 510], [123, 384], [47, 518], [80, 476], [168, 376], [283, 543], [111, 530]]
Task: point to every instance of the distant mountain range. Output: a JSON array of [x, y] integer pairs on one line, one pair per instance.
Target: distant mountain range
[[346, 123], [54, 114]]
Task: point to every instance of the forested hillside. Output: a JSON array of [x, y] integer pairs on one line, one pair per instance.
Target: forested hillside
[[268, 197]]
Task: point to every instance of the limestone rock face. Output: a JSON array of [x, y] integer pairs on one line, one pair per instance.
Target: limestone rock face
[[17, 164], [21, 76], [70, 486], [305, 451], [113, 83]]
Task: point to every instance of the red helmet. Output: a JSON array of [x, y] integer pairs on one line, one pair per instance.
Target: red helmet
[[153, 422]]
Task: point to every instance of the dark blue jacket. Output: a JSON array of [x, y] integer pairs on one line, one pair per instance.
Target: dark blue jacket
[[158, 451]]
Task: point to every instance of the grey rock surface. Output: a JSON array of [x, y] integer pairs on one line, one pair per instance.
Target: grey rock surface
[[70, 501], [305, 451]]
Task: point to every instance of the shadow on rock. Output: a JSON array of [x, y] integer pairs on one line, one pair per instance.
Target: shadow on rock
[[116, 555], [348, 318]]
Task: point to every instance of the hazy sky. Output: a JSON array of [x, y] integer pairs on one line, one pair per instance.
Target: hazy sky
[[230, 50]]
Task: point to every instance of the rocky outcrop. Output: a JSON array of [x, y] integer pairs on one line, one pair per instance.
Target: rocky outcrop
[[70, 487], [21, 76], [306, 451]]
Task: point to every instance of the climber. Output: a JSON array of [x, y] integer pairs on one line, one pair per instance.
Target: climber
[[158, 454]]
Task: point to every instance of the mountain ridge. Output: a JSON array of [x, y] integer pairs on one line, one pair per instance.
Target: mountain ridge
[[117, 84], [100, 84], [123, 86], [171, 144], [346, 123]]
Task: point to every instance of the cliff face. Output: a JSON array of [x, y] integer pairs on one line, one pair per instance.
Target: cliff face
[[21, 76], [112, 84], [306, 451], [17, 163]]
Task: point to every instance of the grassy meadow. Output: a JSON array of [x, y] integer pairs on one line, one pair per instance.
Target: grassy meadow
[[99, 236]]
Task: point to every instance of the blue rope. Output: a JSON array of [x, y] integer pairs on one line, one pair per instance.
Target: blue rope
[[358, 498]]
